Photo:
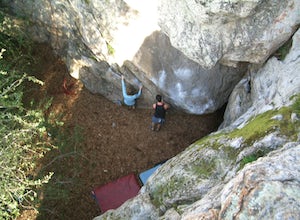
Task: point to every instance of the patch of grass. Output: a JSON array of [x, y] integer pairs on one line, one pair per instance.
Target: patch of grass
[[210, 140], [263, 124], [287, 128], [252, 157]]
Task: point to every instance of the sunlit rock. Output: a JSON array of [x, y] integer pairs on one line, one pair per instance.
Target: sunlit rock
[[229, 32]]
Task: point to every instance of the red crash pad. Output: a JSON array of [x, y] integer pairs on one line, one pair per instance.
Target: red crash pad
[[114, 194]]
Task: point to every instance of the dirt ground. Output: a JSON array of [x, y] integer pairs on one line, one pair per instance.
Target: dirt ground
[[103, 141]]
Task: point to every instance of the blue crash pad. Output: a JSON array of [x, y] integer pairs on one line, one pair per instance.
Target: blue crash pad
[[146, 174]]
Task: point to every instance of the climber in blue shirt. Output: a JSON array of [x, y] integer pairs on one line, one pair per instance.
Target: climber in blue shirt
[[129, 100]]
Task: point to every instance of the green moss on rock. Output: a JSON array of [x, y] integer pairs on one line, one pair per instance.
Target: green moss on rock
[[203, 168], [166, 190]]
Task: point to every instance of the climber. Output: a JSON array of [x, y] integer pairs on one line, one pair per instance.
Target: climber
[[129, 99], [160, 108]]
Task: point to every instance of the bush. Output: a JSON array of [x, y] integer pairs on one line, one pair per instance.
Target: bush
[[22, 134]]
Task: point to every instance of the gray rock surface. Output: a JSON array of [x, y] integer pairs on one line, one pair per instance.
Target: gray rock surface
[[228, 31], [266, 189], [184, 83], [271, 86]]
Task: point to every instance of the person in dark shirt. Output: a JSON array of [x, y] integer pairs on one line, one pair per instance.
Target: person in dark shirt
[[158, 118]]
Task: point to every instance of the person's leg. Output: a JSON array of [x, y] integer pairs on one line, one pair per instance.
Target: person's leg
[[161, 121], [158, 126], [152, 126], [154, 121]]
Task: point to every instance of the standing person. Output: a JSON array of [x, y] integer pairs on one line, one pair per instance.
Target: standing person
[[130, 100], [160, 109]]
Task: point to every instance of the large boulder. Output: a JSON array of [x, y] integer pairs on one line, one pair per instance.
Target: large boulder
[[185, 83], [229, 32]]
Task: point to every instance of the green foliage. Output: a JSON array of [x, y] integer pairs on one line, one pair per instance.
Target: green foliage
[[296, 105], [256, 128], [252, 157], [14, 41], [66, 163], [111, 50], [22, 134], [27, 134], [284, 50], [64, 160], [264, 124]]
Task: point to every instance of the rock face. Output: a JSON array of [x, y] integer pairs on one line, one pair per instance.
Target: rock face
[[185, 83], [247, 170], [228, 31], [99, 40], [263, 90], [256, 190]]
